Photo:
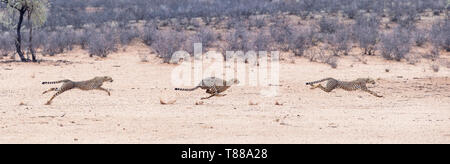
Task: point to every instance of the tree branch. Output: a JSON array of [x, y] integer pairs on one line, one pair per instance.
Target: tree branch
[[12, 6]]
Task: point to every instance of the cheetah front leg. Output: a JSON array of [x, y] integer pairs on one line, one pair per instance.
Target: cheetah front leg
[[51, 89], [103, 89], [372, 93], [213, 93]]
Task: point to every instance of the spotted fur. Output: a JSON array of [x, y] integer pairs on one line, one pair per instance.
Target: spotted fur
[[332, 84], [213, 86], [95, 83]]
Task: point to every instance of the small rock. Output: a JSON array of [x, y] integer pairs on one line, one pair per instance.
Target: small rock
[[278, 103]]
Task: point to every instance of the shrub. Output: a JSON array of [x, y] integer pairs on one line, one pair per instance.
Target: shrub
[[127, 35], [281, 32], [168, 42], [439, 34], [321, 57], [39, 38], [403, 13], [435, 52], [350, 10], [206, 36], [6, 44], [420, 37], [67, 39], [328, 25], [238, 40], [300, 40], [189, 44], [395, 45], [263, 42], [257, 21], [149, 33], [59, 41], [101, 44], [51, 47], [231, 22], [340, 42], [366, 32]]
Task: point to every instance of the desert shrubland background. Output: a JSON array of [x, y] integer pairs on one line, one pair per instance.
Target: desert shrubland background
[[402, 44], [402, 30]]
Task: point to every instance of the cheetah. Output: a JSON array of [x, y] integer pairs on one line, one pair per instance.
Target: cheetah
[[332, 83], [213, 86], [95, 83]]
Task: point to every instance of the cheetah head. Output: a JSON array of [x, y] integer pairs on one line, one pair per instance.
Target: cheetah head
[[107, 79], [370, 81]]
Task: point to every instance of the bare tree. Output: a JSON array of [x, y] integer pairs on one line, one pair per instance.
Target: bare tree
[[36, 10]]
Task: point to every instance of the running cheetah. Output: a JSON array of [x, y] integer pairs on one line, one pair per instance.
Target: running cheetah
[[359, 83], [95, 83], [213, 86]]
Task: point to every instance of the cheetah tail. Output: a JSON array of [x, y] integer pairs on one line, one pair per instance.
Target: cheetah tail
[[55, 82], [184, 89], [318, 81]]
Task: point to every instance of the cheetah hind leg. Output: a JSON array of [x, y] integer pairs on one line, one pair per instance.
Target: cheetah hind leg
[[314, 86], [321, 87], [51, 89], [49, 102]]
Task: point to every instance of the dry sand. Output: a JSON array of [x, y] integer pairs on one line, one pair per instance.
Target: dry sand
[[415, 107]]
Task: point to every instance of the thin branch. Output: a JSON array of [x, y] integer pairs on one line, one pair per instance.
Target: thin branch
[[23, 8]]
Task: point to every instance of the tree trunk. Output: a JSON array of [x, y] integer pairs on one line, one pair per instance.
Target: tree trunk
[[33, 55], [19, 39]]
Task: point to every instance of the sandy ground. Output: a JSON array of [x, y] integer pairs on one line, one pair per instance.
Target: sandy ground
[[415, 107]]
